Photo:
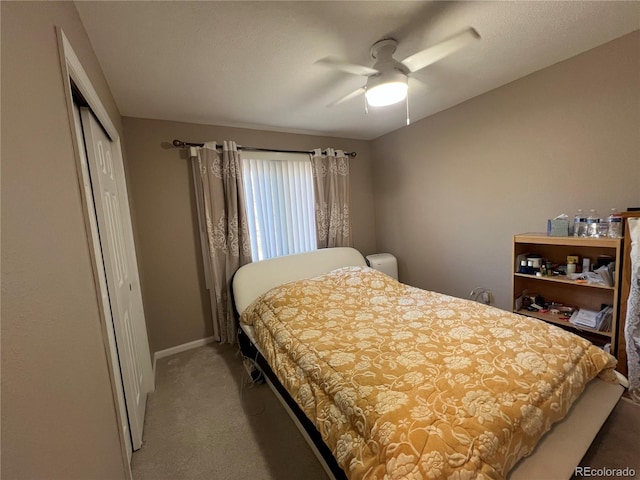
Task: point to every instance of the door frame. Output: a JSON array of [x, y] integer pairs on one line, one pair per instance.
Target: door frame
[[72, 70]]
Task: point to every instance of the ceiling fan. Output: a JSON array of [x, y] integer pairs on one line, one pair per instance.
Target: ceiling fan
[[387, 81]]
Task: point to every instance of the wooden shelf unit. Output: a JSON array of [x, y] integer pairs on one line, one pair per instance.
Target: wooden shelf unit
[[563, 290]]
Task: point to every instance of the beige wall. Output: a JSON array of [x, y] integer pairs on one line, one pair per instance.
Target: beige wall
[[450, 191], [58, 416], [175, 299], [453, 189]]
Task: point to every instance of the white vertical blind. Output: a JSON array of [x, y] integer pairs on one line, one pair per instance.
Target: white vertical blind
[[279, 190]]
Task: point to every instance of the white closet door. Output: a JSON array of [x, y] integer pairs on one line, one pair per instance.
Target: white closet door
[[118, 254], [102, 279]]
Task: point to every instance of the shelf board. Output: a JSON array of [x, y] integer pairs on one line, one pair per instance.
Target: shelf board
[[551, 318], [562, 279], [543, 238]]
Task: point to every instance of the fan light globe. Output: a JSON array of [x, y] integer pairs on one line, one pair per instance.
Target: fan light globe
[[387, 88], [386, 94]]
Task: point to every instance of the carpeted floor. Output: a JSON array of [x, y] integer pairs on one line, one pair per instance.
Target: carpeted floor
[[617, 445], [200, 424]]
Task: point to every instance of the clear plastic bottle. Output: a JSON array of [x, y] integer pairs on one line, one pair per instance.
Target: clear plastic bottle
[[603, 228], [592, 223], [579, 221], [615, 224]]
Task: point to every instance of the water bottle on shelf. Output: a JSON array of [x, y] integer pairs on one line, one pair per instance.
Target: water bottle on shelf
[[592, 223], [603, 228], [579, 223], [615, 224]]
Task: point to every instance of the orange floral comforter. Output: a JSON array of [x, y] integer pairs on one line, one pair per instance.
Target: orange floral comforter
[[406, 383]]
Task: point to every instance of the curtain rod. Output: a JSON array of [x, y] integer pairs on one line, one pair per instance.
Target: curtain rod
[[181, 144]]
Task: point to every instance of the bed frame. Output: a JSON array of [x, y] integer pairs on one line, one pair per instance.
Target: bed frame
[[556, 455]]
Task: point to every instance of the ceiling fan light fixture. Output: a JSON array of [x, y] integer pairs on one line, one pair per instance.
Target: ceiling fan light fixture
[[386, 89], [386, 94]]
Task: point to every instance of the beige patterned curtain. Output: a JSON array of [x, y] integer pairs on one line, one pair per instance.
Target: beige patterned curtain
[[223, 228], [333, 198], [632, 323]]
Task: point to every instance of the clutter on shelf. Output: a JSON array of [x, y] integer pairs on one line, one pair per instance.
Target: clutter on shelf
[[580, 270], [585, 224], [580, 317]]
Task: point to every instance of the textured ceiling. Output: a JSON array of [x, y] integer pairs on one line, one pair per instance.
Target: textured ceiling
[[251, 64]]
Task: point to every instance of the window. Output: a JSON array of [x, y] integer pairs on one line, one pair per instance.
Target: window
[[279, 194]]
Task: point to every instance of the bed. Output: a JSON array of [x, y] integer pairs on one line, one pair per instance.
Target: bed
[[389, 381]]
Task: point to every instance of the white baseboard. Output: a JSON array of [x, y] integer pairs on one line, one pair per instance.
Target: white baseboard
[[180, 348]]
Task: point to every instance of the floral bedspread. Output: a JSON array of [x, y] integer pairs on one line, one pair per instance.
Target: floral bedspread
[[406, 383]]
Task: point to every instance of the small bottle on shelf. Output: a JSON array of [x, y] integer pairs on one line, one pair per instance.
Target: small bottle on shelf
[[530, 269], [579, 221], [603, 228], [592, 223], [615, 224]]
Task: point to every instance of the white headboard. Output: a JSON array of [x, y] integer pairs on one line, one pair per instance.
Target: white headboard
[[254, 279]]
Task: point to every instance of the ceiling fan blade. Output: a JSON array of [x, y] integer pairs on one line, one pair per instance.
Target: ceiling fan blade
[[432, 54], [353, 69], [349, 96]]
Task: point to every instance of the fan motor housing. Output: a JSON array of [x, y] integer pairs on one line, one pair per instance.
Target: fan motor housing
[[383, 52], [382, 48]]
